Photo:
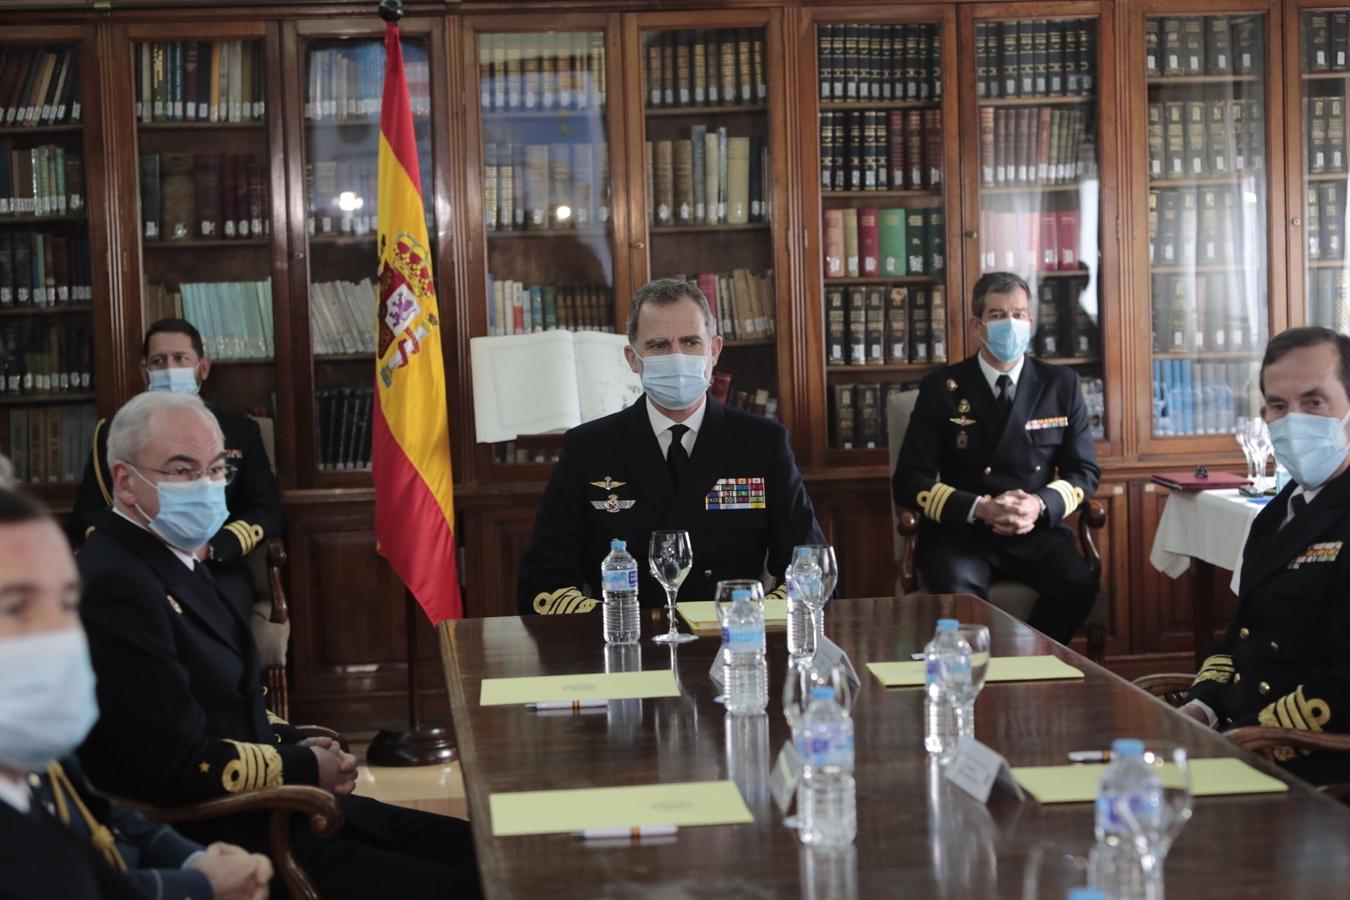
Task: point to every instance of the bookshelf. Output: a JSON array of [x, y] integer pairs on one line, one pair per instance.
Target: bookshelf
[[1207, 188], [47, 326]]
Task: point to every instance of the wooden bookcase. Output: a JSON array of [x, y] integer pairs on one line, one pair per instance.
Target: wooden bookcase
[[347, 606]]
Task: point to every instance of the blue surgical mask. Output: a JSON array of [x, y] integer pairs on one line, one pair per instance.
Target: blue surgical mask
[[47, 700], [1007, 339], [1310, 447], [675, 380], [179, 381], [190, 513]]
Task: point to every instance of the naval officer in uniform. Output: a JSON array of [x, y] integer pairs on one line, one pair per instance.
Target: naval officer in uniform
[[1285, 661], [675, 459], [998, 452]]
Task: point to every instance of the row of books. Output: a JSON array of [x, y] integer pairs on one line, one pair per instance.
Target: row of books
[[39, 85], [885, 325], [1325, 220], [40, 181], [884, 243], [713, 68], [200, 81], [208, 196], [1326, 40], [345, 82], [342, 196], [1324, 141], [533, 187], [1035, 59], [1195, 397], [39, 269], [876, 150], [1200, 138], [1036, 145], [858, 414], [712, 178], [742, 303], [1064, 326], [550, 70], [234, 317], [1205, 313], [1031, 240], [1329, 298], [342, 316], [344, 428], [1187, 226], [517, 308], [758, 400], [1203, 45], [880, 62], [45, 359], [49, 444]]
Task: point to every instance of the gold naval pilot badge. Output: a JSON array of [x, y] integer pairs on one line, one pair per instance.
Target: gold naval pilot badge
[[608, 484]]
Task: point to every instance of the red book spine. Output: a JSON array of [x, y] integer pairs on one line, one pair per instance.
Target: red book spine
[[1049, 241], [932, 149], [1030, 230], [895, 133], [707, 283], [869, 243], [1068, 239]]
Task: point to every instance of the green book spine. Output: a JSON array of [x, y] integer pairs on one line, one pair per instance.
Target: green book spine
[[894, 261]]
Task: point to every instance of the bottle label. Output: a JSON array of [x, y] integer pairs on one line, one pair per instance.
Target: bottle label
[[744, 637], [832, 746], [930, 672], [1114, 815], [617, 580]]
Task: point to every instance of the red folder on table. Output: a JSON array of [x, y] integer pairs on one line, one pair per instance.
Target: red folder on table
[[1200, 480]]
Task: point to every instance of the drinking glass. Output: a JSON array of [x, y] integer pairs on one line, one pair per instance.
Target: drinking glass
[[965, 690], [1053, 870], [1242, 434], [1155, 826], [1263, 449], [670, 557], [823, 556]]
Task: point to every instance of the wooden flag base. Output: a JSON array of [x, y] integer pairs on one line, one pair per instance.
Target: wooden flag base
[[415, 746]]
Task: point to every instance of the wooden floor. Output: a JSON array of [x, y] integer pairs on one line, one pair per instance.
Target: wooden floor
[[436, 789]]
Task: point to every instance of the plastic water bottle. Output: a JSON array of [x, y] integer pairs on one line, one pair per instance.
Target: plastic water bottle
[[619, 588], [940, 731], [827, 795], [804, 586], [1128, 789], [746, 673]]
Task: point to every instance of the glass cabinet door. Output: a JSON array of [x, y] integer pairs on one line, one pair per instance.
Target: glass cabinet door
[[547, 195], [709, 200], [883, 153], [1038, 89], [344, 79], [1207, 218], [1324, 70]]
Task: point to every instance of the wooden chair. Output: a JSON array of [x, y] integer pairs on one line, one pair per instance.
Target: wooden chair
[[1172, 688], [271, 623], [1012, 597]]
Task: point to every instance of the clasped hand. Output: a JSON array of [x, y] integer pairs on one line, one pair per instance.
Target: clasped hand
[[337, 768], [1012, 512]]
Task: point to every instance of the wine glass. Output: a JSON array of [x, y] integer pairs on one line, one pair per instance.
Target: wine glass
[[823, 557], [1263, 449], [967, 685], [670, 558], [1053, 870], [1155, 824]]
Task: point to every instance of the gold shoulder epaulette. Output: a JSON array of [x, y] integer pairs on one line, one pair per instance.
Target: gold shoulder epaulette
[[562, 602]]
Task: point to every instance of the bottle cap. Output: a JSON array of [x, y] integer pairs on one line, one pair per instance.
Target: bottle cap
[[948, 624], [1083, 893], [740, 594], [803, 551], [617, 544], [1128, 747]]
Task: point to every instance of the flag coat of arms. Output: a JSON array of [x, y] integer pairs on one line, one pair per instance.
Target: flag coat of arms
[[414, 498]]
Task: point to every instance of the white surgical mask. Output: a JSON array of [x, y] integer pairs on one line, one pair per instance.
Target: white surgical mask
[[1310, 447], [675, 380], [47, 700], [179, 381]]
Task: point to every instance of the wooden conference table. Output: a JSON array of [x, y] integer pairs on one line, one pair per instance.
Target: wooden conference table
[[917, 837]]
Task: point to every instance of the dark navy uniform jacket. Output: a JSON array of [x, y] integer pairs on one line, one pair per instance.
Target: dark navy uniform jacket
[[955, 450], [1285, 661], [252, 498], [741, 499]]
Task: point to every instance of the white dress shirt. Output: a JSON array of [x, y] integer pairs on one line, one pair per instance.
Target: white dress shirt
[[991, 374], [16, 794], [184, 557], [661, 427]]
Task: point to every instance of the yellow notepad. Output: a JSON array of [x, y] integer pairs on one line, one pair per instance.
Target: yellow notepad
[[1209, 778], [550, 812], [583, 686], [1001, 668], [701, 615]]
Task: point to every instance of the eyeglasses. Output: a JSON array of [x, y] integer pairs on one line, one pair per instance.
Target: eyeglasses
[[183, 474]]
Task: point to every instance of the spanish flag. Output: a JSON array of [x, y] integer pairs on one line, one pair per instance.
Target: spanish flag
[[414, 503]]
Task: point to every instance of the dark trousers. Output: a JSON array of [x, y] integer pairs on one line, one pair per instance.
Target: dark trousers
[[967, 561]]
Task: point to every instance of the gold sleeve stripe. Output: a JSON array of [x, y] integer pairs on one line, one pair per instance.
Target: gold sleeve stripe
[[562, 602], [1072, 496], [934, 499], [258, 766], [778, 593], [99, 464], [274, 719], [1218, 667], [247, 535]]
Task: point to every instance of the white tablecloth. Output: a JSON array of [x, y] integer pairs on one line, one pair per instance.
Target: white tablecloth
[[1208, 525]]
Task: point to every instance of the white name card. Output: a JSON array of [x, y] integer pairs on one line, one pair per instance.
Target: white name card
[[974, 768]]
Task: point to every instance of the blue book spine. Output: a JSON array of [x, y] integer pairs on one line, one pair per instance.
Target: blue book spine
[[1159, 399], [1188, 394], [537, 307]]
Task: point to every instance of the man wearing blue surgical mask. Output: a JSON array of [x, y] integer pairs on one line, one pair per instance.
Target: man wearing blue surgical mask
[[173, 361], [998, 453], [1285, 661], [676, 459], [61, 838]]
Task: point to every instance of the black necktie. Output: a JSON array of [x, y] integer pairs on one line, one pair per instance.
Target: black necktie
[[677, 458], [1005, 398], [1297, 504], [202, 572]]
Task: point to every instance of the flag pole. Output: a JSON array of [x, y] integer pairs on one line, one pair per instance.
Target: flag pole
[[417, 745]]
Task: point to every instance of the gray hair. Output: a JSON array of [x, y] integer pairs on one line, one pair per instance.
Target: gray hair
[[130, 428], [6, 472], [996, 283], [663, 292]]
